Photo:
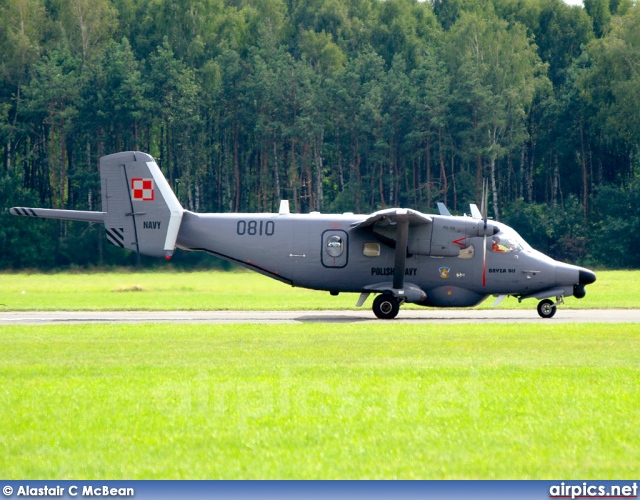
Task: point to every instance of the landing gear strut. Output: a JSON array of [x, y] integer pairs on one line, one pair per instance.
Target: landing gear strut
[[546, 308], [386, 306]]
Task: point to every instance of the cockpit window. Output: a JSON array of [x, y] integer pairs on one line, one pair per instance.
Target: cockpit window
[[335, 246], [507, 240], [505, 243]]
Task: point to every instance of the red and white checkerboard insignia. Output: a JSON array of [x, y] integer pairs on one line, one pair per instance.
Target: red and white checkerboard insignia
[[142, 189]]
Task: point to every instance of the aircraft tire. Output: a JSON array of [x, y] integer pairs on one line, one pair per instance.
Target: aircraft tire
[[546, 309], [386, 306]]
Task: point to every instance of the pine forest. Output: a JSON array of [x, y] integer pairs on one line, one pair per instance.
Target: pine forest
[[335, 105]]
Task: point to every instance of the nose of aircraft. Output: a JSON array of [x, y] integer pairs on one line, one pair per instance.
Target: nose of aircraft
[[586, 276], [566, 274]]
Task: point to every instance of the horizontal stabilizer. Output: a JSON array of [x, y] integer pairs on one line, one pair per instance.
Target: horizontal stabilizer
[[49, 213]]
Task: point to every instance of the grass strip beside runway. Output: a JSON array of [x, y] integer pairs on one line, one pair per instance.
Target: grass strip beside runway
[[235, 291], [319, 401]]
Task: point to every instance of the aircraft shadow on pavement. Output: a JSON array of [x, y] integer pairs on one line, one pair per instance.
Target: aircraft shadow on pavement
[[401, 319]]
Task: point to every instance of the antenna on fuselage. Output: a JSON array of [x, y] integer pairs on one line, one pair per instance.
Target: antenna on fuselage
[[443, 209], [475, 212], [284, 208]]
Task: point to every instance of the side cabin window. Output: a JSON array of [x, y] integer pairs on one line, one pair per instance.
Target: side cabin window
[[371, 250], [335, 246], [504, 244]]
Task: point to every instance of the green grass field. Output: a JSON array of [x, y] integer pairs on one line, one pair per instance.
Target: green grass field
[[319, 401], [233, 291]]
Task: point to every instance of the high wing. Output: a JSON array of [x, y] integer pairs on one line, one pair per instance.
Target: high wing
[[392, 216], [402, 219]]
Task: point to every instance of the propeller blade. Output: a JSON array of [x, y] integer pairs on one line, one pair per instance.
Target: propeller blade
[[484, 210], [482, 201], [485, 202], [484, 260]]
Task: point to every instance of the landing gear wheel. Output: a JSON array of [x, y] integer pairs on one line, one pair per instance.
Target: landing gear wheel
[[546, 308], [386, 306]]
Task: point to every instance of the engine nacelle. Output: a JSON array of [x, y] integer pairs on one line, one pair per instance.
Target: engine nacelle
[[445, 236]]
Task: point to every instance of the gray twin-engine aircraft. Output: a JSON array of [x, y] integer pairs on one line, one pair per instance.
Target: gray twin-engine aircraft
[[400, 254]]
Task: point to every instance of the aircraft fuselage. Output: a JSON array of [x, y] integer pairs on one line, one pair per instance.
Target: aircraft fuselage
[[293, 248]]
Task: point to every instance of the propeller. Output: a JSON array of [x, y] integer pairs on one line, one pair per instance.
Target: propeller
[[483, 210]]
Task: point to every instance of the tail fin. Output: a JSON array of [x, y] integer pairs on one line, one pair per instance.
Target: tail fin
[[140, 211]]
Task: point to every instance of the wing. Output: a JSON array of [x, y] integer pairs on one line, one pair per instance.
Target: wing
[[392, 216], [401, 218]]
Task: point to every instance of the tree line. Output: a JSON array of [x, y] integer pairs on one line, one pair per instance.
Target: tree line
[[336, 105]]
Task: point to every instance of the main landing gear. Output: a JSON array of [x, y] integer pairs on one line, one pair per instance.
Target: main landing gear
[[386, 306]]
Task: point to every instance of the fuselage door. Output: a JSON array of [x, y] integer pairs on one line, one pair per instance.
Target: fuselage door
[[335, 248]]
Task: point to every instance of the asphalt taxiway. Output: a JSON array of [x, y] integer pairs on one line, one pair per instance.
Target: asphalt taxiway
[[427, 316]]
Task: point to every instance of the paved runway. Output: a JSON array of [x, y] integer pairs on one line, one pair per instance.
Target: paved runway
[[427, 316]]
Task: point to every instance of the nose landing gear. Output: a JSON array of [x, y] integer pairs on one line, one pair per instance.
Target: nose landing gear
[[547, 308]]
